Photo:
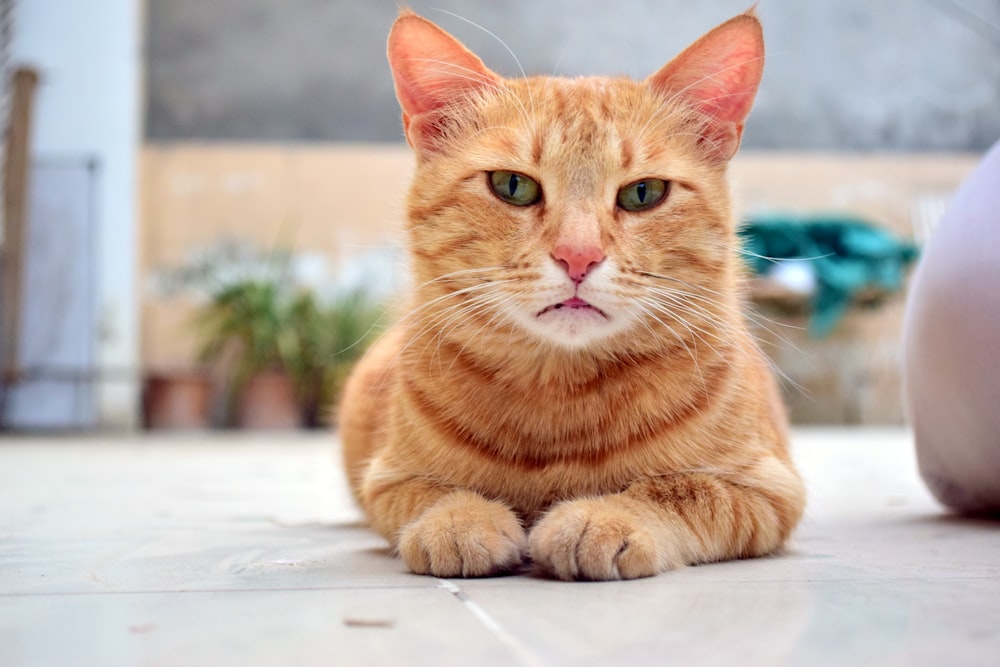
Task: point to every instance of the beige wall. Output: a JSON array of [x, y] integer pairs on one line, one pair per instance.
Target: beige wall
[[333, 200], [341, 199]]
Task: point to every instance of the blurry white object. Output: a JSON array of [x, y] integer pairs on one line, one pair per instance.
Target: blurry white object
[[377, 273], [310, 270], [797, 276], [926, 212]]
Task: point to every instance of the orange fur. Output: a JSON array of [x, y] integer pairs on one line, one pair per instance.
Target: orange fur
[[621, 440]]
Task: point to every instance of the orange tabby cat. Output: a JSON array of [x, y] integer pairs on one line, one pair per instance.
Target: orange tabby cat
[[574, 385]]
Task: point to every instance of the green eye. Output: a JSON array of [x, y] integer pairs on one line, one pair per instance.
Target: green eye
[[643, 195], [514, 188]]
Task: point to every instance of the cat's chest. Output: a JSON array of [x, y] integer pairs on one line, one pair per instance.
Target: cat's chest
[[531, 489], [531, 444], [533, 454]]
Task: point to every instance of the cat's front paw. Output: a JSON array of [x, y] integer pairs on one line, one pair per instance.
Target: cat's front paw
[[463, 535], [601, 539]]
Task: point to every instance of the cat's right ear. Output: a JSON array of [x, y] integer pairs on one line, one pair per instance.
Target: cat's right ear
[[432, 71], [718, 76]]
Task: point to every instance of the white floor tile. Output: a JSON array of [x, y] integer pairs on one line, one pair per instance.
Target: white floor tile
[[244, 550]]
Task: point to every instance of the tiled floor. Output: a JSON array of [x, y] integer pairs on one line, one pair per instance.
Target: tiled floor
[[245, 550]]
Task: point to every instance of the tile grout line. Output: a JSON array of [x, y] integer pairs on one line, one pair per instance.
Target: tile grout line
[[523, 653]]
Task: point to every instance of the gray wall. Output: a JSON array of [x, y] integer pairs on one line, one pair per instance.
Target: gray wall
[[841, 74]]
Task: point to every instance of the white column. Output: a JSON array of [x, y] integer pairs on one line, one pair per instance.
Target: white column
[[88, 105]]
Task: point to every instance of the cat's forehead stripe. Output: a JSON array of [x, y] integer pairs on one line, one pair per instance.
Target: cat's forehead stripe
[[582, 117], [628, 153]]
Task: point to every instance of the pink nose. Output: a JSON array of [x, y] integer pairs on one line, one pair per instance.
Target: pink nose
[[578, 261]]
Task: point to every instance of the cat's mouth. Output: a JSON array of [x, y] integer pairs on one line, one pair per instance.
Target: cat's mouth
[[576, 303]]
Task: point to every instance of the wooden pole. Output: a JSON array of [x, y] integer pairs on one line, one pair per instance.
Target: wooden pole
[[15, 208]]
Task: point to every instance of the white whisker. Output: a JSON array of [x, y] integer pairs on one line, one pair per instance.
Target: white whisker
[[676, 334], [775, 260], [435, 316], [488, 32], [502, 43]]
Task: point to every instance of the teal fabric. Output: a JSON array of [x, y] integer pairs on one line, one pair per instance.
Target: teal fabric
[[847, 255]]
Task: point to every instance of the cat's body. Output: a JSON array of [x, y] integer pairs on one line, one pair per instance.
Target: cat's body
[[574, 381]]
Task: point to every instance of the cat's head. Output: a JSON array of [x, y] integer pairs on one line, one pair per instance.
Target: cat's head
[[588, 213]]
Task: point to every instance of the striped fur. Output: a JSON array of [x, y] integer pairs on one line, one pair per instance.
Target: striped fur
[[485, 430]]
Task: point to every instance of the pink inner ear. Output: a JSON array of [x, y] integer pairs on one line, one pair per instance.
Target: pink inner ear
[[430, 67], [718, 75], [727, 93]]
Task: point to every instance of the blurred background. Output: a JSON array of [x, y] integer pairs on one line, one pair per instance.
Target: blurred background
[[202, 198], [850, 75]]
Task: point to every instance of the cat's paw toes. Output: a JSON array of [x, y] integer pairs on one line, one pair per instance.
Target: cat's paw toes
[[597, 540], [463, 535]]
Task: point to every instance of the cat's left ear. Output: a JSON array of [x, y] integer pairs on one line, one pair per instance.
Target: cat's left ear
[[718, 75], [432, 71]]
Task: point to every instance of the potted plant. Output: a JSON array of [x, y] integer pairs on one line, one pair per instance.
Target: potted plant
[[180, 396], [275, 330], [245, 328], [177, 399], [326, 338]]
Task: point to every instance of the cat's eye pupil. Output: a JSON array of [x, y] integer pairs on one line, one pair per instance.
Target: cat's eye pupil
[[640, 192], [512, 185]]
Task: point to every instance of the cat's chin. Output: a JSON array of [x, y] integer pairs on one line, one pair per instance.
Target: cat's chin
[[573, 324]]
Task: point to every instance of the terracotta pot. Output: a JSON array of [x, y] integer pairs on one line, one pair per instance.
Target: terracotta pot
[[177, 401], [268, 402]]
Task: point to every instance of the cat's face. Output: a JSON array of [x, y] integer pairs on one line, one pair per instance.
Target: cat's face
[[581, 212]]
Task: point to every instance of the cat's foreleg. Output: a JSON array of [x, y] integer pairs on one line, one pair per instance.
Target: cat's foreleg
[[442, 531], [663, 523]]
